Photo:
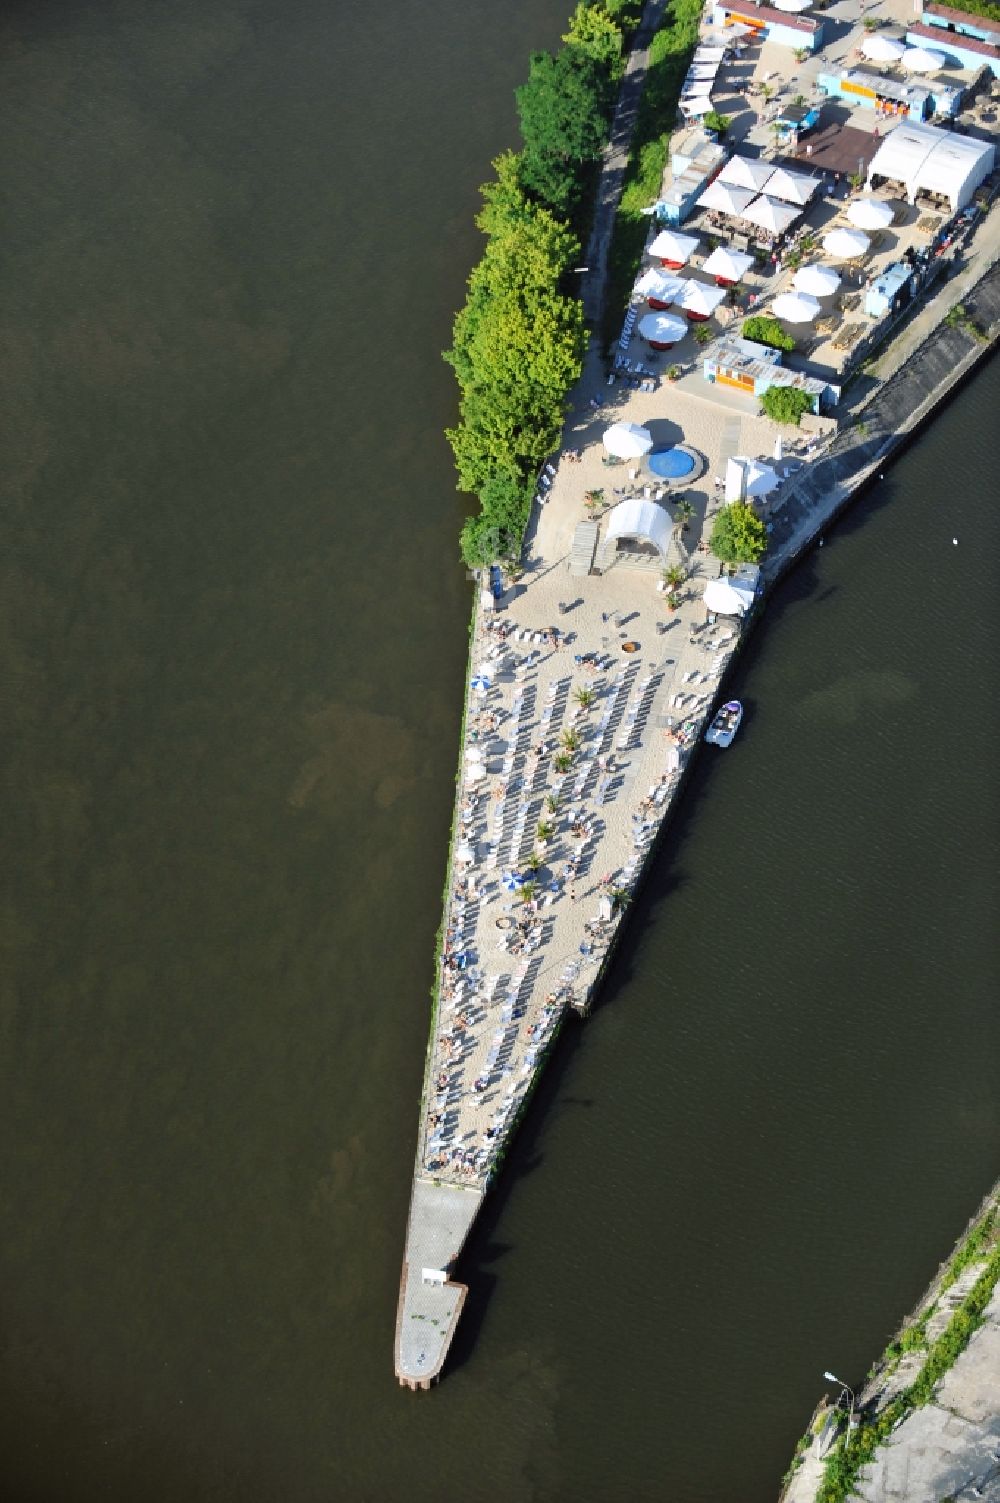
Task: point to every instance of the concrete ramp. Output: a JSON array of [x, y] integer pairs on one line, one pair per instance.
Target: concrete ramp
[[581, 557]]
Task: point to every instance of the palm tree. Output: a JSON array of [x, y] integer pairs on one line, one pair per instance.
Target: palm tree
[[570, 740], [674, 577], [545, 830], [620, 896], [563, 762], [683, 512], [533, 862], [552, 804], [528, 890], [585, 698]]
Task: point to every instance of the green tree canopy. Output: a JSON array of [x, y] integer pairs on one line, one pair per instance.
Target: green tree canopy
[[785, 404], [564, 111], [738, 535], [595, 33]]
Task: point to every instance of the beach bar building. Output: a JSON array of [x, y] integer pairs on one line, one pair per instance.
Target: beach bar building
[[891, 97], [695, 158], [744, 366], [772, 25], [966, 40]]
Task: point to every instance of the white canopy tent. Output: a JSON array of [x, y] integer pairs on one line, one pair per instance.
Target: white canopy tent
[[673, 247], [701, 298], [846, 245], [746, 172], [727, 597], [699, 104], [927, 159], [726, 198], [663, 329], [870, 214], [639, 521], [819, 281], [627, 440], [795, 308], [880, 49], [660, 285], [771, 214], [793, 187], [728, 264]]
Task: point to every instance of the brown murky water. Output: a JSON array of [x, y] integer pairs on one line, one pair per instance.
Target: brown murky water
[[231, 660]]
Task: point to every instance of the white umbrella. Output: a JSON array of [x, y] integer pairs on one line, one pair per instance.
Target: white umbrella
[[481, 682], [465, 853], [746, 172], [670, 246], [882, 49], [795, 308], [628, 440], [659, 285], [662, 328], [845, 245], [701, 298], [726, 198], [722, 599], [728, 264], [870, 214], [922, 60], [821, 281], [474, 754], [474, 772]]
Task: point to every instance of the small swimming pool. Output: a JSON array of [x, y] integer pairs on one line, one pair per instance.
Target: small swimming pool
[[671, 464]]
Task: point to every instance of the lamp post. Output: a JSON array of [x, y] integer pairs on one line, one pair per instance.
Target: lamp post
[[844, 1388]]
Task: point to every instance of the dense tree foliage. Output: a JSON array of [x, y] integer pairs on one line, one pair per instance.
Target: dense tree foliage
[[786, 404], [738, 535], [593, 31], [564, 111]]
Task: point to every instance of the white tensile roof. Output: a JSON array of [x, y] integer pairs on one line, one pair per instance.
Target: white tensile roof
[[746, 172], [726, 198], [938, 161], [793, 187], [771, 214], [701, 297], [636, 518]]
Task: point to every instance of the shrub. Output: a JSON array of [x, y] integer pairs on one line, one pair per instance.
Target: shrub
[[762, 328], [738, 535]]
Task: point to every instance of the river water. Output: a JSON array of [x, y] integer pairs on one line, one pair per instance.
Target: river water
[[232, 660]]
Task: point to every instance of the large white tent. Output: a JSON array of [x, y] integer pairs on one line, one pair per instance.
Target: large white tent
[[726, 198], [639, 521], [746, 172], [922, 157], [771, 214], [793, 187]]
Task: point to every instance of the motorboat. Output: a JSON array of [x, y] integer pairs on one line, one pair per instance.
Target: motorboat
[[725, 724]]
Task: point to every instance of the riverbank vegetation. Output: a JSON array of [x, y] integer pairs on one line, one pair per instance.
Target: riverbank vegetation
[[519, 340], [843, 1467]]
